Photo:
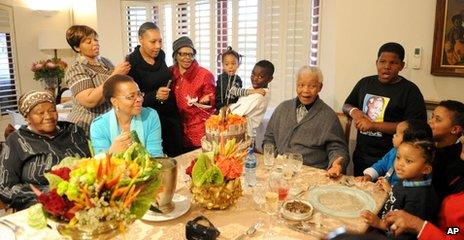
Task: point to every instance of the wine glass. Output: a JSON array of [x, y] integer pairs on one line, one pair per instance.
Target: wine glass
[[269, 151], [297, 161], [271, 207], [259, 195]]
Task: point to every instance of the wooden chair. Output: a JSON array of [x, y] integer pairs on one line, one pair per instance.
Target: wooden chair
[[346, 125]]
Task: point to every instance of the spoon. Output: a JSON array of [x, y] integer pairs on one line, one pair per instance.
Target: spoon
[[251, 230]]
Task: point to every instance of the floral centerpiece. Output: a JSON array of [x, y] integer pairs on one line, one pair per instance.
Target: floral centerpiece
[[90, 194], [216, 176], [49, 71]]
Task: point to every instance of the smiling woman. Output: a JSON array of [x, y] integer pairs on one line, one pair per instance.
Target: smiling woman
[[192, 84], [32, 150], [111, 132]]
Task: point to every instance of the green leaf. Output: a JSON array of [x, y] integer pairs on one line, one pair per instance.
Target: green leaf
[[53, 180], [145, 198], [68, 162]]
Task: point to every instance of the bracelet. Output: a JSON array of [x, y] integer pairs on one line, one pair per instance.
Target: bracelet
[[351, 111]]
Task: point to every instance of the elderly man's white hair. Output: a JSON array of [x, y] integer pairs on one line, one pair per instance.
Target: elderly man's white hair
[[315, 71]]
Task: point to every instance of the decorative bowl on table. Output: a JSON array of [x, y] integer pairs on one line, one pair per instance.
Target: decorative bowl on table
[[297, 210], [216, 172], [217, 196], [98, 198]]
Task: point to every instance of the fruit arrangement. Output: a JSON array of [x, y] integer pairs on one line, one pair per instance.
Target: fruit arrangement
[[216, 176], [88, 193]]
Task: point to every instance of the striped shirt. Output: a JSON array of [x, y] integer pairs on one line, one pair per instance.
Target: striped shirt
[[83, 75]]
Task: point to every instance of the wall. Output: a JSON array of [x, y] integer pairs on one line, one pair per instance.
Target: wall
[[352, 31], [27, 25]]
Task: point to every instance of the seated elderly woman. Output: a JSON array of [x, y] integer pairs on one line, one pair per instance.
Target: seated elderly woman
[[32, 150], [111, 132], [308, 126]]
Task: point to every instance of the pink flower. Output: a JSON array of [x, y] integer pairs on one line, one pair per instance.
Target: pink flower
[[39, 66], [51, 65]]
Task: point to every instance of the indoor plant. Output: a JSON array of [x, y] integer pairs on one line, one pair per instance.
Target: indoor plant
[[49, 72]]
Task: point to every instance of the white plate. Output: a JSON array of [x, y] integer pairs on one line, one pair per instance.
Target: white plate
[[341, 197], [181, 206], [6, 233]]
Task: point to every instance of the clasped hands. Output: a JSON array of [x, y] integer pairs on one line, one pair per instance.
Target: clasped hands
[[121, 143]]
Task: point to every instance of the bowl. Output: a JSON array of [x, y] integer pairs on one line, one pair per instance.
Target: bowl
[[297, 210]]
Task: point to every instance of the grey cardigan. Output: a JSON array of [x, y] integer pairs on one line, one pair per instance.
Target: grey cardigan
[[318, 137]]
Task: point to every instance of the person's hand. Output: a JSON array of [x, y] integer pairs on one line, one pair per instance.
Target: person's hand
[[384, 184], [364, 124], [357, 114], [122, 68], [121, 143], [261, 91], [205, 99], [163, 93], [365, 178], [335, 170], [400, 221], [373, 220]]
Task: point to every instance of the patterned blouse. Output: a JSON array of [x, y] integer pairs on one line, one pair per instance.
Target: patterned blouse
[[80, 76], [26, 156]]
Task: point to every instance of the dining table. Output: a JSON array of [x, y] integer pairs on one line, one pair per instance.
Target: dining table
[[235, 220]]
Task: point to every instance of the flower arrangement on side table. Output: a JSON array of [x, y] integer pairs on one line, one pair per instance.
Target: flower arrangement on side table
[[89, 194], [216, 176], [50, 72]]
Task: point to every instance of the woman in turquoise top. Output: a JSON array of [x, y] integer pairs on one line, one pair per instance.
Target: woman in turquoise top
[[110, 132]]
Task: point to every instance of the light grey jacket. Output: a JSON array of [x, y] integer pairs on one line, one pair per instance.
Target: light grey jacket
[[318, 137]]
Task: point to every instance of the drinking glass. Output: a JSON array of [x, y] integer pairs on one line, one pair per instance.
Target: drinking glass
[[259, 195], [297, 161], [269, 151], [271, 207]]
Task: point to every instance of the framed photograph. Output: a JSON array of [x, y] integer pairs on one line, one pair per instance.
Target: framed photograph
[[448, 42]]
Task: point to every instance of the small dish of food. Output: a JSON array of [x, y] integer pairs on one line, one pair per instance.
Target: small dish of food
[[297, 210]]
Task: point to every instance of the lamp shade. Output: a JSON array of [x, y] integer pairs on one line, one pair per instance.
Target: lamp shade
[[52, 39]]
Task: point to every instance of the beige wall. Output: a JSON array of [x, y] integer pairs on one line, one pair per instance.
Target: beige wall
[[28, 24], [352, 32]]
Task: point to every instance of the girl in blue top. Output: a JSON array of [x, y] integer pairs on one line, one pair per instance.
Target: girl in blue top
[[406, 130], [110, 132]]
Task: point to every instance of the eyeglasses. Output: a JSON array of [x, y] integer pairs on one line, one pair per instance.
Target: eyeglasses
[[134, 96], [185, 54]]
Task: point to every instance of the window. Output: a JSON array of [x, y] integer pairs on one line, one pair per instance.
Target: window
[[8, 92], [277, 30], [134, 16], [285, 38]]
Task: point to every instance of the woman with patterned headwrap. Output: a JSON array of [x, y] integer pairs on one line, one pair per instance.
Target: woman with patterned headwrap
[[34, 148]]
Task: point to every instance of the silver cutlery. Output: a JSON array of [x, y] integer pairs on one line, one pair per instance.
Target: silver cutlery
[[302, 192], [251, 230]]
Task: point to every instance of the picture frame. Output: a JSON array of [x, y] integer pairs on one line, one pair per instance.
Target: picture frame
[[448, 41]]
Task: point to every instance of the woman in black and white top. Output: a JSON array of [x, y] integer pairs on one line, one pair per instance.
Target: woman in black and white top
[[34, 148], [85, 77]]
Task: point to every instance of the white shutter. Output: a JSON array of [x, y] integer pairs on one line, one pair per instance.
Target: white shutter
[[8, 92], [315, 11], [224, 32], [285, 40], [135, 14], [204, 20], [247, 37], [284, 29]]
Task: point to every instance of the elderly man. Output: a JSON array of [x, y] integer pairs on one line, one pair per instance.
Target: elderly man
[[308, 126]]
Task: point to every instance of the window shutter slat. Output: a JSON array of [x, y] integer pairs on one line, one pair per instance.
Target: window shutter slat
[[8, 93]]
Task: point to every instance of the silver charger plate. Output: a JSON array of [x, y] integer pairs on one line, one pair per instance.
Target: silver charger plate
[[342, 200]]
